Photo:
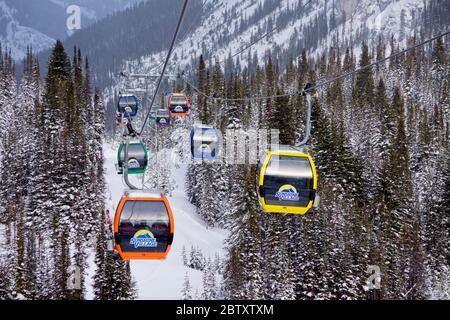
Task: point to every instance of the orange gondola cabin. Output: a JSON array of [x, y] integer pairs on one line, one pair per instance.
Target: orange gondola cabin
[[143, 226], [178, 105]]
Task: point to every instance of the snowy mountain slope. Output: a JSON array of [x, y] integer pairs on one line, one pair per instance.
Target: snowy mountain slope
[[17, 37], [382, 17], [164, 279], [39, 23], [314, 25]]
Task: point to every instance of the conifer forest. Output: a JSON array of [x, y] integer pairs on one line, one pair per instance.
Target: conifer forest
[[116, 181]]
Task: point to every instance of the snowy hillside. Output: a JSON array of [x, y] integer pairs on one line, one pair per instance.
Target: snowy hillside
[[39, 23], [17, 37], [164, 279], [232, 25]]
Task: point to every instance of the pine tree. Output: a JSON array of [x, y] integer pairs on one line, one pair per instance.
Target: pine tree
[[283, 119], [184, 256], [436, 243], [20, 269], [364, 85], [186, 293], [101, 276], [439, 64], [398, 189], [209, 282]]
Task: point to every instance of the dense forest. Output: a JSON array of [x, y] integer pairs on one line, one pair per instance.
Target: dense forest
[[380, 141], [381, 144], [52, 209], [127, 35]]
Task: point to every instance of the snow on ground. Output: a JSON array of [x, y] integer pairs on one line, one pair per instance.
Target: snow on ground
[[164, 279]]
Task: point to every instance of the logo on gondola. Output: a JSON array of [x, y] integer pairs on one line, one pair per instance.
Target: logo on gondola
[[287, 193], [133, 164], [204, 148], [179, 109], [143, 239]]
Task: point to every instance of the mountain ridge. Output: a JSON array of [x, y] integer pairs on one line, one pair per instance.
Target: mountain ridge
[[38, 24]]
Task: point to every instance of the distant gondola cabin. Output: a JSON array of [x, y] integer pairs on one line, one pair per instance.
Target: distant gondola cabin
[[163, 118], [178, 105], [137, 157], [205, 143]]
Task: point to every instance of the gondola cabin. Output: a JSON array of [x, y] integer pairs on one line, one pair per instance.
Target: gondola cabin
[[287, 182], [137, 158], [163, 118], [121, 121], [178, 105], [143, 226], [153, 112], [205, 143], [128, 105]]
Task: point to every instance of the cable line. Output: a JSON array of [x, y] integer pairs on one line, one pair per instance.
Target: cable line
[[324, 83], [172, 45], [379, 61], [186, 33]]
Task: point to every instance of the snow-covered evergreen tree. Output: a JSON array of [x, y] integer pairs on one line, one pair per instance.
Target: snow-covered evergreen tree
[[186, 293]]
